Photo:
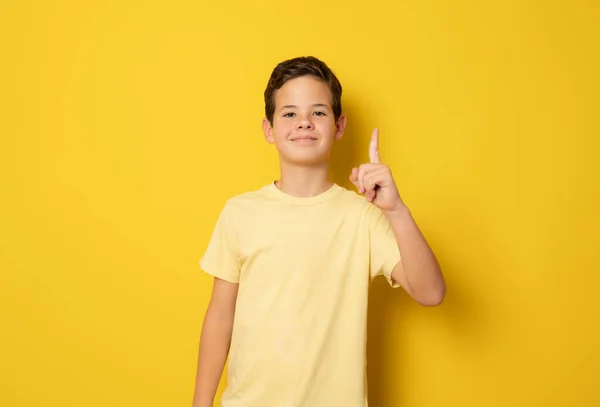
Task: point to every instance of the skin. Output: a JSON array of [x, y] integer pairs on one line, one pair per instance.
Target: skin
[[304, 131], [214, 342]]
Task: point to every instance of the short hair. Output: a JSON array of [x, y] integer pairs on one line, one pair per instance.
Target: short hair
[[297, 67]]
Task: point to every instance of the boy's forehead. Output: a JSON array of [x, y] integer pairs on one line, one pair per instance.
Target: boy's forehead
[[305, 90]]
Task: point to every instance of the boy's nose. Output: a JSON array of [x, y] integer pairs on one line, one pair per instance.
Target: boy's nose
[[304, 125]]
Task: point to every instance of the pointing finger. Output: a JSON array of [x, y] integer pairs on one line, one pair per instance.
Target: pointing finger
[[374, 148]]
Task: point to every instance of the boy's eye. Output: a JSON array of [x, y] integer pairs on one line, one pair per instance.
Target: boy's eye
[[320, 113], [289, 114]]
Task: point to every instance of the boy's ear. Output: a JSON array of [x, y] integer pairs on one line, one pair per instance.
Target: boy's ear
[[339, 127], [268, 131]]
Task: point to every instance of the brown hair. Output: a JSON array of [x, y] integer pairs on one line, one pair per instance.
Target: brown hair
[[302, 66]]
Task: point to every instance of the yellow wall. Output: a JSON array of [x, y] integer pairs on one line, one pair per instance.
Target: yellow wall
[[126, 124]]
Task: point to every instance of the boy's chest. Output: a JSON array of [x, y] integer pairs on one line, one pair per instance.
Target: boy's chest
[[302, 239]]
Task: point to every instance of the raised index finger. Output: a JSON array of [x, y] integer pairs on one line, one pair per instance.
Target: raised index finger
[[374, 148]]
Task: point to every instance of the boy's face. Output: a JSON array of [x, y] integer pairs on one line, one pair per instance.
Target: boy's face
[[304, 128]]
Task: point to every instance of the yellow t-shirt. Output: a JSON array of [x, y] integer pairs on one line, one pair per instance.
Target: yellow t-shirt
[[303, 266]]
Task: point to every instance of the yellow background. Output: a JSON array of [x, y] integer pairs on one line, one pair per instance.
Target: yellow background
[[126, 124]]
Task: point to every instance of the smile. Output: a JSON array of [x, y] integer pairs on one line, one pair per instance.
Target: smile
[[303, 138]]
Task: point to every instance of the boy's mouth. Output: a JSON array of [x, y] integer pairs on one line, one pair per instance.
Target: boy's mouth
[[303, 138]]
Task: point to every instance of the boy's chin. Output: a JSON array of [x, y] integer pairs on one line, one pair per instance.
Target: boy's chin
[[305, 160]]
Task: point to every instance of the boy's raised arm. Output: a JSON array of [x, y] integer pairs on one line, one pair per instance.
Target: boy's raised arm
[[418, 271], [214, 342]]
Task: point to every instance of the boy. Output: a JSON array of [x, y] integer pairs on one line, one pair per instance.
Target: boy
[[292, 261]]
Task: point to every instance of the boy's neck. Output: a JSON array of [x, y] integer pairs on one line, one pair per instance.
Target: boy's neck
[[304, 182]]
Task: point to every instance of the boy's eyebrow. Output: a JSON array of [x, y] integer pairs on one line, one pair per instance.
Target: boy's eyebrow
[[294, 106]]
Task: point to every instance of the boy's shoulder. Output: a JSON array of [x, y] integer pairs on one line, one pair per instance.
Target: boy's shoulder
[[244, 202], [248, 197]]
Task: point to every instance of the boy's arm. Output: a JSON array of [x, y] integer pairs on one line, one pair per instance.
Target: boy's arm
[[418, 271], [214, 342]]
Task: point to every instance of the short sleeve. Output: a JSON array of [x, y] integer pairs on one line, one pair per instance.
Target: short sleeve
[[221, 257], [384, 252]]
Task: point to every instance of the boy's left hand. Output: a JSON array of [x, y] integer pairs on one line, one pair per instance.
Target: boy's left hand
[[375, 180]]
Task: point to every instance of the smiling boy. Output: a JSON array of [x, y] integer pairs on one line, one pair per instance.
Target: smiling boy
[[293, 260]]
